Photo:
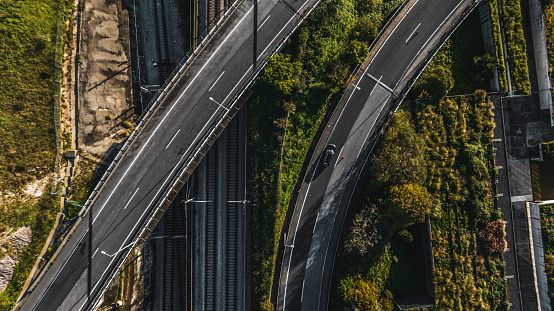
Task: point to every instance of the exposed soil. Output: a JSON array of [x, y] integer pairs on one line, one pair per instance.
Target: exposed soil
[[105, 98]]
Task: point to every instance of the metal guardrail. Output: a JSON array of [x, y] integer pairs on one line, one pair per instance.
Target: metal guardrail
[[154, 104], [383, 124], [201, 149]]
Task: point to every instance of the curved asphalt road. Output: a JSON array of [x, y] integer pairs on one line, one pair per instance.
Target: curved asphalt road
[[317, 219], [167, 142]]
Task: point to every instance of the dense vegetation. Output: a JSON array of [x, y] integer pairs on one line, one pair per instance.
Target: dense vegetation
[[549, 27], [27, 139], [547, 221], [460, 66], [287, 107], [498, 46], [515, 45], [437, 159]]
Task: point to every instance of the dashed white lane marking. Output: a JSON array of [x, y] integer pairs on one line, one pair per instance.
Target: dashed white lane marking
[[211, 87], [96, 251], [142, 149], [302, 296], [387, 39], [412, 34], [131, 198], [265, 20], [172, 139], [338, 157], [315, 224]]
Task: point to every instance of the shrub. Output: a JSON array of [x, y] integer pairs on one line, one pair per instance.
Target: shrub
[[365, 232], [128, 125], [493, 237], [435, 83]]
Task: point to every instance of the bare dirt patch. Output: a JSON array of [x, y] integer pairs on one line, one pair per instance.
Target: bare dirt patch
[[11, 246], [105, 76]]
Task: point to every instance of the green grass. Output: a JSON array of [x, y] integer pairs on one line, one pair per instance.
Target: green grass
[[27, 139], [292, 94], [549, 28], [407, 277], [547, 221], [86, 179], [458, 54]]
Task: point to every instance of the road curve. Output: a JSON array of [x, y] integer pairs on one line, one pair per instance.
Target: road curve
[[398, 57], [169, 141]]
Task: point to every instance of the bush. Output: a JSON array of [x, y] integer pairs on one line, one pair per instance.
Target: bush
[[436, 83], [365, 232], [408, 204], [493, 237], [128, 125], [516, 46]]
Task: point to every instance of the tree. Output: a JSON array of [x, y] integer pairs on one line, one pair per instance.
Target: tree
[[401, 157], [493, 237], [362, 295], [280, 72], [486, 65], [436, 82], [408, 204], [364, 233]]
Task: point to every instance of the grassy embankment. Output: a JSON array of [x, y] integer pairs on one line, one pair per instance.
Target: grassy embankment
[[27, 139], [516, 46], [292, 95], [548, 10]]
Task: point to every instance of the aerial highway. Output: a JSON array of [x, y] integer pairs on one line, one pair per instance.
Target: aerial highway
[[400, 53], [176, 133]]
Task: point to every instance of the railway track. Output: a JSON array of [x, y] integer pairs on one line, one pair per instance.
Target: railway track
[[205, 271], [175, 284], [163, 48], [232, 210], [211, 224]]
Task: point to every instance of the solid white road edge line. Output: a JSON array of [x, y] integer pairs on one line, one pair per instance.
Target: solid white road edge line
[[132, 163], [390, 35]]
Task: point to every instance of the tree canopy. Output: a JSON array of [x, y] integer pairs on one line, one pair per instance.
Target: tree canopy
[[401, 157], [408, 204]]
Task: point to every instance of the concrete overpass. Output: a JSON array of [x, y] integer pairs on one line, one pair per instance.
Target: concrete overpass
[[190, 112]]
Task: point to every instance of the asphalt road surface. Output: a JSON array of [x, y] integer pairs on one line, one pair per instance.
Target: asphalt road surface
[[199, 100], [309, 245]]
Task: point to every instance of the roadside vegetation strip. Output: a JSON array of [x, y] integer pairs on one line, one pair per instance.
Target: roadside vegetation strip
[[439, 163], [516, 46], [547, 224], [498, 46], [27, 137], [463, 56], [299, 81], [549, 28]]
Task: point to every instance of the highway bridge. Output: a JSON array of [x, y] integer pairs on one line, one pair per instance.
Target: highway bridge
[[160, 155], [398, 56]]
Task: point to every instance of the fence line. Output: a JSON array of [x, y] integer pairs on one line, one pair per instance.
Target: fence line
[[58, 76]]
